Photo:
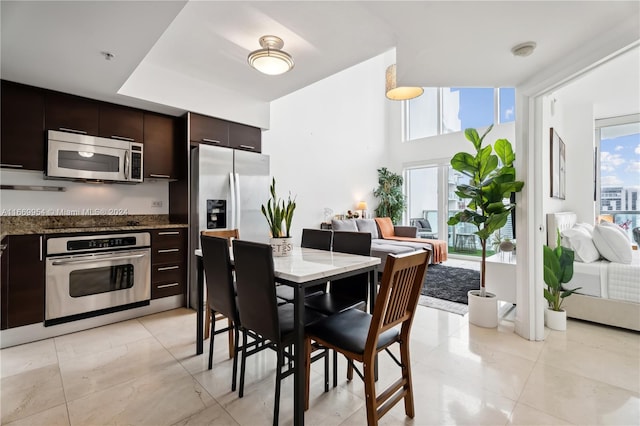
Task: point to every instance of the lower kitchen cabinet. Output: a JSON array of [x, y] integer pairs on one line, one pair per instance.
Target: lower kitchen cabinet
[[22, 281], [168, 262]]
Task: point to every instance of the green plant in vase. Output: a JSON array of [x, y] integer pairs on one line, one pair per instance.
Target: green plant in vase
[[279, 214], [392, 199], [558, 270]]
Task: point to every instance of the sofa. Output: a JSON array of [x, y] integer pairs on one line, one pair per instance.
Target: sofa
[[387, 238]]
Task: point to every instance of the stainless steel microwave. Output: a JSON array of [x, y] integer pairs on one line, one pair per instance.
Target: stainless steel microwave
[[92, 158]]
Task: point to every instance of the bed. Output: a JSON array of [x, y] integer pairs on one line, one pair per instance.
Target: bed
[[610, 292]]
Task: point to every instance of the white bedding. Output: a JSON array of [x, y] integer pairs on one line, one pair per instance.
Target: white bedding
[[602, 278]]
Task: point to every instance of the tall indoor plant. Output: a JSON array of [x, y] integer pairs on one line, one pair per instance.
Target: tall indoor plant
[[279, 215], [392, 199], [558, 270], [492, 179]]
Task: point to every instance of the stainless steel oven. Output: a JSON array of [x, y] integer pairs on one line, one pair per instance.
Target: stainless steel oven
[[90, 275]]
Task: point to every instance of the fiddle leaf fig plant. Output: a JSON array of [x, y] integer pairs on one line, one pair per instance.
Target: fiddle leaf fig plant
[[492, 179], [558, 269], [277, 211]]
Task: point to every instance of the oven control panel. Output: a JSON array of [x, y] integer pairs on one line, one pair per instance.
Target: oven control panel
[[101, 243]]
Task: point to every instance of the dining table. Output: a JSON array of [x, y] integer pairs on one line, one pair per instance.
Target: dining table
[[301, 268]]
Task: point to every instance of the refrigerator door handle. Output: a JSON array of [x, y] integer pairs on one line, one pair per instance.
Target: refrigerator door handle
[[238, 204], [234, 207]]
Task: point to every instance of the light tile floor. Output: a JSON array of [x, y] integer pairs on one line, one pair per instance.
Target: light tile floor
[[144, 371]]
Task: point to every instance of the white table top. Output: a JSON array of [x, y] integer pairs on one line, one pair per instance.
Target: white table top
[[306, 264]]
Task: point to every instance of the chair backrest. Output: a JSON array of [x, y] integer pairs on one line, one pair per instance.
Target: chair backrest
[[316, 238], [218, 272], [229, 234], [355, 287], [256, 288], [398, 295]]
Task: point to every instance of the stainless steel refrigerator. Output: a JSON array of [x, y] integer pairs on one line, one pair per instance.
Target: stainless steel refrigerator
[[228, 186]]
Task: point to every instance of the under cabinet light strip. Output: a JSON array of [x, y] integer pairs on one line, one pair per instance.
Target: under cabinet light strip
[[34, 188]]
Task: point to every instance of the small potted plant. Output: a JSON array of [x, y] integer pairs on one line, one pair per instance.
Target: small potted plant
[[279, 213], [492, 179], [558, 270]]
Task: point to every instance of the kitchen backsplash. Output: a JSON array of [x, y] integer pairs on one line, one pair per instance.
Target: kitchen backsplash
[[80, 199]]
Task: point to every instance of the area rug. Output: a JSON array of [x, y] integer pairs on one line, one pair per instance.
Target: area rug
[[446, 287]]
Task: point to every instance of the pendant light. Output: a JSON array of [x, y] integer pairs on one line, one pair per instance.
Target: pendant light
[[401, 93], [270, 59]]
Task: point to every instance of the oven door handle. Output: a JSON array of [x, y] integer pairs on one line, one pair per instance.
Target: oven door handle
[[97, 259]]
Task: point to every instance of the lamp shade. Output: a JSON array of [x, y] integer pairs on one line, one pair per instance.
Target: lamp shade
[[362, 206], [401, 93], [270, 59]]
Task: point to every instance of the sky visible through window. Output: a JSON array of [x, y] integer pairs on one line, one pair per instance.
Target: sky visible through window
[[620, 161]]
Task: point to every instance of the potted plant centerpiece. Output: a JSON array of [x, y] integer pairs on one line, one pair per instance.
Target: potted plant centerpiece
[[492, 179], [558, 270], [279, 215]]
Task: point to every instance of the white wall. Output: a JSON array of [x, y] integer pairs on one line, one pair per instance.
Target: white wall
[[79, 198], [327, 141]]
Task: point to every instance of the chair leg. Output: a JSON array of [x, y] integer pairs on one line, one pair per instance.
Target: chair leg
[[242, 364], [307, 370], [326, 370], [406, 375], [349, 370], [230, 333], [236, 352], [211, 315], [369, 390], [276, 402], [335, 369]]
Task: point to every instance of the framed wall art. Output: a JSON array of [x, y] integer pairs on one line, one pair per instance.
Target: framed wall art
[[558, 161]]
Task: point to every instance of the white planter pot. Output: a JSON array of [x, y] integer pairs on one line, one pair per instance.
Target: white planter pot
[[483, 311], [281, 246], [555, 320]]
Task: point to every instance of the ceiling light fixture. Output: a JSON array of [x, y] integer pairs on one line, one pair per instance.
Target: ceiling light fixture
[[523, 49], [401, 93], [270, 59]]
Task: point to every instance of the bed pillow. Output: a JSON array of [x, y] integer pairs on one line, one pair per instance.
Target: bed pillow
[[579, 240], [586, 226], [617, 228], [613, 244], [344, 225]]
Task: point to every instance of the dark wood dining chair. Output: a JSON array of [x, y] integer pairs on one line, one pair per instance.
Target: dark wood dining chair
[[261, 317], [319, 239], [221, 297], [230, 235], [360, 336]]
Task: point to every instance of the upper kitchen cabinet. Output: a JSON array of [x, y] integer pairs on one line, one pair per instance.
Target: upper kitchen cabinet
[[71, 114], [209, 130], [163, 157], [22, 118], [121, 123], [245, 137]]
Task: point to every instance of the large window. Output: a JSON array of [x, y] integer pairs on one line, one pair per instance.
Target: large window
[[452, 109], [619, 171]]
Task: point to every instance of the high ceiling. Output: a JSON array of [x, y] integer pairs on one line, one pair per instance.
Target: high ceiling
[[57, 45]]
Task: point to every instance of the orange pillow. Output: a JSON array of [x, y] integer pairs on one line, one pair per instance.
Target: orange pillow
[[386, 227]]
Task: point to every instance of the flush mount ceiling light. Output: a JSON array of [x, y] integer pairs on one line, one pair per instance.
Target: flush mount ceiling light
[[396, 93], [270, 59], [523, 49]]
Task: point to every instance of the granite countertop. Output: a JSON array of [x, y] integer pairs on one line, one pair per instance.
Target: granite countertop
[[22, 225]]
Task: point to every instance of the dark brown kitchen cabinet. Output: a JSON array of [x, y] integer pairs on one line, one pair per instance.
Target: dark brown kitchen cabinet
[[22, 281], [121, 123], [70, 113], [168, 262], [22, 117], [163, 157], [209, 130], [245, 137]]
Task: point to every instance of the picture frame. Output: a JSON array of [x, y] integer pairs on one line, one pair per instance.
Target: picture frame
[[557, 165]]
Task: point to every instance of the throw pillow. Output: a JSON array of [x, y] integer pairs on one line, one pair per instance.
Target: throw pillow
[[424, 224], [386, 227], [368, 225], [344, 225], [579, 240], [612, 244]]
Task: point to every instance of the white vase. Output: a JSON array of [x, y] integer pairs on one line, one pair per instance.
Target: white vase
[[483, 311], [555, 320], [281, 246]]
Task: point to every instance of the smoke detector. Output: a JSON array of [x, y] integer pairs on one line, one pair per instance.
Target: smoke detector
[[523, 49]]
